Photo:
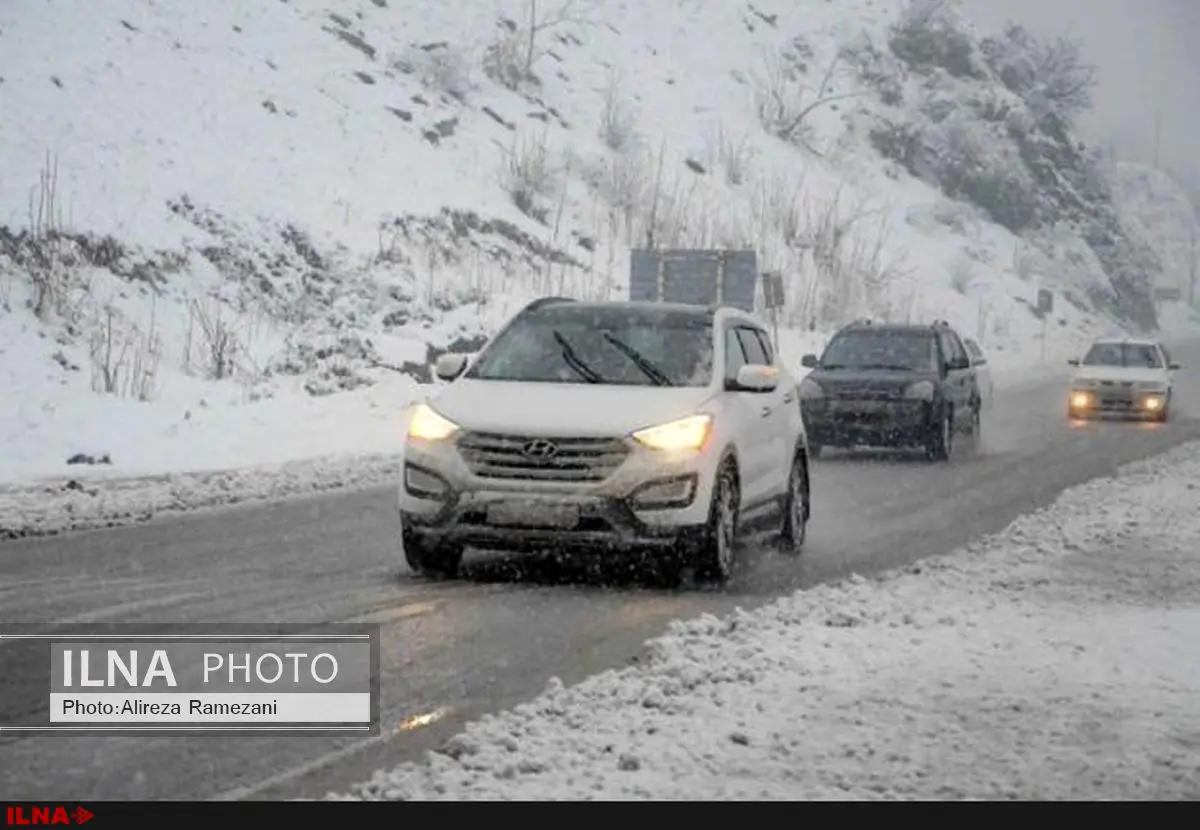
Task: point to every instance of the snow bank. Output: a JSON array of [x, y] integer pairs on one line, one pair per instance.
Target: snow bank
[[1055, 660]]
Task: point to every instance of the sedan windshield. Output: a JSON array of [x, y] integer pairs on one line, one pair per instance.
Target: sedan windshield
[[897, 350], [573, 345], [1136, 355]]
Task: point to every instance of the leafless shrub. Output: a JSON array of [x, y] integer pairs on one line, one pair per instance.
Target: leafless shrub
[[848, 244], [617, 122], [529, 175], [440, 67], [48, 262], [510, 59], [732, 155], [962, 274], [783, 102], [211, 340], [125, 362]]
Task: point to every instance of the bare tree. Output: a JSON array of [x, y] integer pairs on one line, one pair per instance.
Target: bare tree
[[510, 60], [1065, 79], [782, 102]]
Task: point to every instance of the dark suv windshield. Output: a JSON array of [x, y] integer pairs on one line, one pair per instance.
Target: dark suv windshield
[[1140, 355], [899, 350], [566, 344]]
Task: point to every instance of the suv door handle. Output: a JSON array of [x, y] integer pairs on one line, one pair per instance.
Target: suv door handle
[[766, 410], [787, 398]]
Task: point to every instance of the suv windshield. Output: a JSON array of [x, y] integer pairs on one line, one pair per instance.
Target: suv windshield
[[569, 344], [1139, 355], [913, 351]]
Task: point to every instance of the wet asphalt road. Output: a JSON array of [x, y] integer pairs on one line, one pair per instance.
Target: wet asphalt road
[[495, 637]]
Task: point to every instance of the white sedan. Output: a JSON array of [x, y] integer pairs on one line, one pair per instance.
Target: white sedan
[[1123, 375]]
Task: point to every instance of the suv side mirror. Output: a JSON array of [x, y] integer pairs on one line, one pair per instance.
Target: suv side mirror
[[809, 361], [755, 378], [1073, 361], [450, 366], [1174, 366]]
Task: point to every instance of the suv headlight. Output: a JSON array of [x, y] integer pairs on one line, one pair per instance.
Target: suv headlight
[[1153, 386], [922, 390], [690, 433], [810, 390], [426, 425], [1083, 383]]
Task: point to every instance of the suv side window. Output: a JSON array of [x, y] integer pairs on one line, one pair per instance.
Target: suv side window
[[976, 352], [768, 349], [1165, 354], [752, 346], [735, 357], [953, 350]]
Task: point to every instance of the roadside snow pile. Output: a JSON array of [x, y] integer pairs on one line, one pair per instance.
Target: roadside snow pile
[[1053, 661]]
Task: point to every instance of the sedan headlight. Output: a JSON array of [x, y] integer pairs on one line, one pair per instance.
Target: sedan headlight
[[922, 390], [426, 425], [690, 433], [810, 390]]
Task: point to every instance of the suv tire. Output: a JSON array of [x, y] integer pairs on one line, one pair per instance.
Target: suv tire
[[437, 561], [940, 436], [796, 506], [714, 551]]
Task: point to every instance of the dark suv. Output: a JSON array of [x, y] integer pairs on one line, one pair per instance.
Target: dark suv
[[890, 385]]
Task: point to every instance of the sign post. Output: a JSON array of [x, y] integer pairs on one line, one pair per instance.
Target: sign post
[[773, 300], [1045, 306]]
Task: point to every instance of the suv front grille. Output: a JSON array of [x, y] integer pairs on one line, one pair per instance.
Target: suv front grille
[[534, 458]]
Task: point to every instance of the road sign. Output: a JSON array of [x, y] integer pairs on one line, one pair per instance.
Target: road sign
[[773, 290], [696, 277], [1045, 301]]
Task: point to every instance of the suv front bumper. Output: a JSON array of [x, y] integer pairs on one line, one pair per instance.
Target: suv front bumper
[[835, 423], [652, 500]]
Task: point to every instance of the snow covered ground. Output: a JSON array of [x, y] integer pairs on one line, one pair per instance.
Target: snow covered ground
[[1055, 660], [233, 238]]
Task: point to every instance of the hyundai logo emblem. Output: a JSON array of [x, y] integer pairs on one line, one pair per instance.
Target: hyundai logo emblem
[[540, 448]]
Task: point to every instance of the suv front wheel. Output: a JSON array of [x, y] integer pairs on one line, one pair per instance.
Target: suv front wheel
[[940, 435], [714, 551], [796, 506]]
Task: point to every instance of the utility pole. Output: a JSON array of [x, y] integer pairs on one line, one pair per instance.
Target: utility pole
[[1157, 135], [1193, 255]]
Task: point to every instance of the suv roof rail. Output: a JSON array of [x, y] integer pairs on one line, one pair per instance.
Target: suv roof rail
[[941, 324]]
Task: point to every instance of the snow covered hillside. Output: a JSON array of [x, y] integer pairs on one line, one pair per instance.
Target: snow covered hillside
[[1160, 210], [236, 234], [1055, 660]]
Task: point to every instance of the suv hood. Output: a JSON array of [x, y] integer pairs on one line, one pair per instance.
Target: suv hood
[[869, 382], [574, 409], [1121, 373]]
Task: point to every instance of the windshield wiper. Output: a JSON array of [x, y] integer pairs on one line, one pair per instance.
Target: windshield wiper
[[648, 369], [568, 353]]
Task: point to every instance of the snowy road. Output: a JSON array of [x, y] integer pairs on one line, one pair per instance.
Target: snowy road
[[488, 642]]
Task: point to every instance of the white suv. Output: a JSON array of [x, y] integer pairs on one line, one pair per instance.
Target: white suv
[[639, 427]]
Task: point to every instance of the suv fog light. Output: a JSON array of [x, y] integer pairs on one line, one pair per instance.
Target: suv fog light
[[423, 484], [1080, 400], [1152, 403], [665, 493]]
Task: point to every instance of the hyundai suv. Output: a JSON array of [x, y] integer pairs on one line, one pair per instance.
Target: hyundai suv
[[611, 426], [891, 385]]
